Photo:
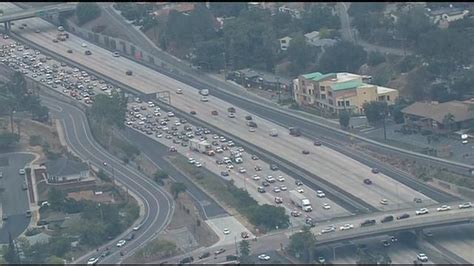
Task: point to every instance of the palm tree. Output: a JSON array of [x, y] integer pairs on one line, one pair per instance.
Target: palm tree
[[449, 120]]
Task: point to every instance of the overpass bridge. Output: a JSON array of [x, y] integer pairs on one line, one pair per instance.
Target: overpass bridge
[[433, 219], [7, 17]]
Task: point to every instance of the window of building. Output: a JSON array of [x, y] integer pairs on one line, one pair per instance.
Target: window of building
[[304, 90], [304, 98], [329, 93], [283, 41], [388, 97], [323, 96], [322, 88], [348, 103], [330, 101], [381, 98]]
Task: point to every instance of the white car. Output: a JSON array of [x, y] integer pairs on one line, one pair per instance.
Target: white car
[[242, 170], [326, 206], [263, 257], [320, 194], [121, 243], [328, 229], [179, 91], [283, 188], [300, 190], [422, 257], [170, 114], [280, 178], [443, 208], [346, 227], [226, 231], [92, 261], [84, 44], [251, 129], [422, 211], [384, 201], [136, 228], [276, 189], [191, 160], [198, 164], [465, 205], [256, 177], [21, 171]]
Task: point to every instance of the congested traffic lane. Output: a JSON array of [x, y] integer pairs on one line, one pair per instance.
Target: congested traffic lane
[[333, 167], [160, 132]]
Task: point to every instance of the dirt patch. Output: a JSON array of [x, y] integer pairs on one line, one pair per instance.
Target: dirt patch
[[104, 197]]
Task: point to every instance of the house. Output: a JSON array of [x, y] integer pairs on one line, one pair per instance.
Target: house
[[439, 117], [335, 92], [285, 43], [184, 8], [259, 79], [313, 39], [65, 170], [447, 14], [295, 13]]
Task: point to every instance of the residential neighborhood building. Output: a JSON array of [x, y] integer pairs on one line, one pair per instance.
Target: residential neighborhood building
[[334, 92], [259, 79], [314, 39], [65, 170], [446, 15], [439, 117], [295, 13], [184, 8], [285, 43]]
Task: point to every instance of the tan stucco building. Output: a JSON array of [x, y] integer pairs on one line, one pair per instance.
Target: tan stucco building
[[334, 92]]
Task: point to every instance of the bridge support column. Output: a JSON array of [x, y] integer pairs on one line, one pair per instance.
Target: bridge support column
[[7, 26]]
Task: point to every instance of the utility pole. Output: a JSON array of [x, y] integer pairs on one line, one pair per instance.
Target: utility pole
[[225, 66], [279, 89], [236, 249], [384, 128]]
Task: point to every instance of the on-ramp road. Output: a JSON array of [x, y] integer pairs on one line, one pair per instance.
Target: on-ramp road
[[158, 204]]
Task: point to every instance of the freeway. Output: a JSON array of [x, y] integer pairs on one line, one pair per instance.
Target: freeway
[[158, 204], [333, 167], [33, 12]]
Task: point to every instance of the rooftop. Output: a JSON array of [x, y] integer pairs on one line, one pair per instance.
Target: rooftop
[[437, 111], [286, 38], [446, 10], [316, 76], [347, 85], [381, 90], [312, 35], [65, 167]]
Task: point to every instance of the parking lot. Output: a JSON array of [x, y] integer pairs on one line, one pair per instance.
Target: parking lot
[[14, 198]]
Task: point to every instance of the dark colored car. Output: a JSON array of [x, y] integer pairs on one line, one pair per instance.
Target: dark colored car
[[193, 112], [129, 72], [248, 117], [224, 173], [306, 152], [214, 112], [367, 223], [205, 255], [187, 259], [418, 200], [273, 167], [387, 219], [403, 216], [231, 110], [317, 143], [261, 190], [87, 52], [298, 182], [375, 170], [265, 184], [367, 181]]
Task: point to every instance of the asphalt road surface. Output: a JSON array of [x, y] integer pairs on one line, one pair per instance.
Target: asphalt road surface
[[155, 151], [14, 199], [158, 204], [334, 167]]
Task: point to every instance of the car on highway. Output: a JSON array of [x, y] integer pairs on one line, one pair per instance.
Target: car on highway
[[204, 255], [320, 194], [224, 173], [422, 211], [129, 73], [278, 200], [274, 167], [283, 188], [219, 251], [226, 231], [384, 201], [136, 228], [186, 260], [326, 206], [116, 54], [403, 216], [121, 243], [465, 205], [21, 171], [321, 259], [264, 257], [244, 235], [254, 157], [328, 229], [92, 261], [346, 227], [276, 189], [28, 213], [443, 208], [368, 222], [280, 178], [385, 243], [375, 170], [386, 219], [1, 174], [422, 257], [300, 190], [261, 189], [367, 181], [88, 52], [295, 213], [298, 182]]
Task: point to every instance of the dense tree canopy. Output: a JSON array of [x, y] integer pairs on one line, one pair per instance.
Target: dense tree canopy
[[301, 243], [300, 55], [319, 16], [110, 110], [375, 111], [342, 57], [86, 12]]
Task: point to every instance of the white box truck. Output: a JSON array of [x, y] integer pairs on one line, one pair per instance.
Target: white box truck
[[300, 201], [201, 146]]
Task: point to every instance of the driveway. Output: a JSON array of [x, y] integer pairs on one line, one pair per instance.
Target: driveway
[[14, 200]]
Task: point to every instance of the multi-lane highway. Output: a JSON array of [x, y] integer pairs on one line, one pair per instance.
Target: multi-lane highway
[[158, 204], [333, 167]]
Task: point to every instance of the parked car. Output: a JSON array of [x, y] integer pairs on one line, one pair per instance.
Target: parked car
[[187, 260], [204, 255], [367, 181], [219, 251]]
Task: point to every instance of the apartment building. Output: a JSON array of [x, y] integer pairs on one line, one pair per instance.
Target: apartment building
[[334, 92]]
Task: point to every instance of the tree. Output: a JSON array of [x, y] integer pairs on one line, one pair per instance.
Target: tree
[[56, 199], [302, 243], [375, 111], [110, 110], [342, 57], [244, 247], [344, 119], [449, 121], [375, 58], [160, 174], [300, 54], [270, 217], [86, 12], [319, 16], [413, 23], [7, 140], [396, 110], [11, 255], [221, 9], [176, 188], [202, 23], [210, 54]]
